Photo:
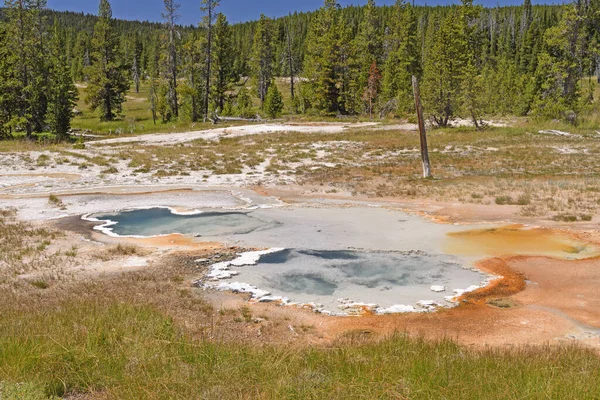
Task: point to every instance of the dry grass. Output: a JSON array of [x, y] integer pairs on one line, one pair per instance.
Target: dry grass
[[120, 250], [25, 249], [543, 175]]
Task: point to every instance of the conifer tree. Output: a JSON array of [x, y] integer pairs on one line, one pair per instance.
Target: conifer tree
[[289, 55], [321, 62], [107, 80], [171, 15], [194, 71], [443, 69], [80, 56], [209, 7], [472, 83], [39, 82], [559, 69], [368, 49], [153, 70], [244, 103], [136, 66], [62, 93], [372, 90], [225, 75], [273, 102], [263, 57], [8, 84], [136, 74], [24, 33], [403, 60]]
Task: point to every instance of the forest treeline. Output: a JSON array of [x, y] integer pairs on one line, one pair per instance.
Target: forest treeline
[[471, 61]]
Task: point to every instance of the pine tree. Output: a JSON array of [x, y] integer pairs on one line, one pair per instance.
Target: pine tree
[[368, 50], [471, 80], [194, 67], [23, 53], [442, 75], [107, 81], [403, 60], [559, 69], [592, 28], [171, 15], [62, 93], [153, 69], [263, 57], [289, 55], [9, 85], [136, 66], [372, 89], [273, 105], [208, 6], [321, 62], [346, 70], [244, 104], [225, 75], [136, 74], [80, 56], [39, 82]]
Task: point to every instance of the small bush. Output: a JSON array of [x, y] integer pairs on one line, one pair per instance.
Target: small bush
[[572, 218], [80, 145], [585, 217], [42, 160], [524, 200], [504, 200], [110, 170], [55, 201], [40, 284]]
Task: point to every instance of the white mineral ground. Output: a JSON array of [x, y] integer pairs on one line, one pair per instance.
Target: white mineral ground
[[230, 132]]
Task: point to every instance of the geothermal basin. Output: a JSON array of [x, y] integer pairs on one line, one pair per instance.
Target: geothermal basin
[[339, 260]]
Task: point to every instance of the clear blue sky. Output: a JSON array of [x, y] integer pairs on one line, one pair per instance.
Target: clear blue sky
[[235, 10]]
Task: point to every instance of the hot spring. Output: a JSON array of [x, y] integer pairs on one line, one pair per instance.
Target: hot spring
[[335, 259]]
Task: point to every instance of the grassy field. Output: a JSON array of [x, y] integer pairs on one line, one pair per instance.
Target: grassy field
[[136, 117], [121, 351]]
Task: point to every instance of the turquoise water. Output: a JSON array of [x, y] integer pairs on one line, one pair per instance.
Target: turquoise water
[[364, 255], [162, 221]]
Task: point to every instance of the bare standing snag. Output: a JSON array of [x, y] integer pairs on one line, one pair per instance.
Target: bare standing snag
[[422, 131]]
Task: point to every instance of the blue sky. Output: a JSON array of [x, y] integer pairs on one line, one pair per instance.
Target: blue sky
[[235, 10]]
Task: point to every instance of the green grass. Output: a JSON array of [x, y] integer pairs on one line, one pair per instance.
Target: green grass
[[136, 118], [130, 352], [133, 352]]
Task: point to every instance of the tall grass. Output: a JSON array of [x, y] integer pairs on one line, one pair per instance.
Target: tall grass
[[115, 350]]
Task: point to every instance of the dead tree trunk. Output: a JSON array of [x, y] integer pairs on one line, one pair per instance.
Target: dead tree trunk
[[422, 131], [291, 62]]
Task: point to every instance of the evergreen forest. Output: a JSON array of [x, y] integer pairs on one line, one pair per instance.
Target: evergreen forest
[[471, 62]]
